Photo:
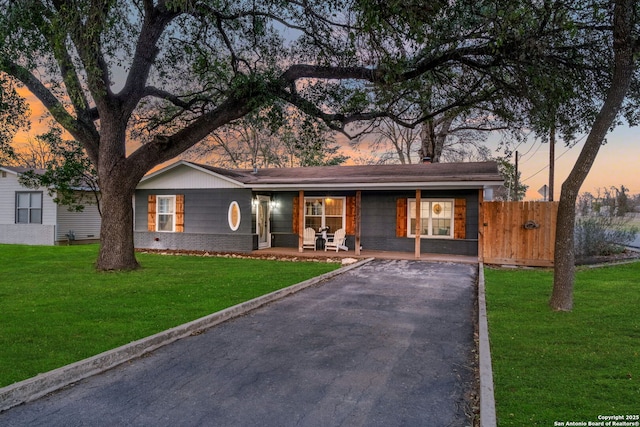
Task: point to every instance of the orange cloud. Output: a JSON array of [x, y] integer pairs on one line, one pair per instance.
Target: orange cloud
[[37, 113]]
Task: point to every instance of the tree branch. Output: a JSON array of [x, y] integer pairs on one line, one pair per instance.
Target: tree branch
[[57, 110], [155, 21]]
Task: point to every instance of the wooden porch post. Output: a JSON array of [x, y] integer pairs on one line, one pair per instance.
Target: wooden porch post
[[418, 223], [358, 216], [300, 220], [481, 225]]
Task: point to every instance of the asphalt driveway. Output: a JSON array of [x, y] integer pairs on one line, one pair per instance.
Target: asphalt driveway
[[387, 344]]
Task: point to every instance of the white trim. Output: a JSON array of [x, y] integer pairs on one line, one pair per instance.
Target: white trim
[[29, 208], [194, 167], [234, 226], [173, 213], [324, 210], [8, 170], [429, 235], [260, 199]]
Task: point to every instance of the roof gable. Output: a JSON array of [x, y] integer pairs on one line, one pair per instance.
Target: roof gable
[[186, 175]]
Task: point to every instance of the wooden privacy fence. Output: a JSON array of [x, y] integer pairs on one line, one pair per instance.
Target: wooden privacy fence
[[518, 233]]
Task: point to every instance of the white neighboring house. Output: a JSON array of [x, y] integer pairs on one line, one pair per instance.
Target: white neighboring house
[[30, 216]]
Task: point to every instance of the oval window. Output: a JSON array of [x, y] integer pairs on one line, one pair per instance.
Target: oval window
[[234, 216]]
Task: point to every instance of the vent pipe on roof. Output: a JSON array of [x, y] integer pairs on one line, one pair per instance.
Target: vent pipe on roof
[[426, 159], [255, 169]]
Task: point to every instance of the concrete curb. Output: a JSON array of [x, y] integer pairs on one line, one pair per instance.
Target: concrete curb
[[487, 399], [42, 384]]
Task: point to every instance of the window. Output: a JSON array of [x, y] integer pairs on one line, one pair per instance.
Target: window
[[29, 208], [166, 213], [324, 212], [436, 218]]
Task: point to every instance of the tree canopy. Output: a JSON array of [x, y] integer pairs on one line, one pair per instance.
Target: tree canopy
[[61, 167], [13, 116], [161, 75], [257, 141]]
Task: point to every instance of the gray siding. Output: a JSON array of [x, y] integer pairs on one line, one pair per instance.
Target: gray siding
[[378, 223], [282, 222], [29, 234], [9, 186], [207, 229], [195, 242], [378, 226], [206, 225], [282, 217], [85, 224]]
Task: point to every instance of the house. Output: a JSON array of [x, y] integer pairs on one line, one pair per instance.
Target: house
[[30, 216], [190, 206]]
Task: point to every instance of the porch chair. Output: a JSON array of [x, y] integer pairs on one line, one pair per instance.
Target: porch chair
[[337, 242], [309, 239]]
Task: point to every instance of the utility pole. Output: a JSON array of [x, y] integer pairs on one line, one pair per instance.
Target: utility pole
[[552, 159], [515, 181]]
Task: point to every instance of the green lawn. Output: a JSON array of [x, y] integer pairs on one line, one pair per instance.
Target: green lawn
[[56, 309], [558, 367]]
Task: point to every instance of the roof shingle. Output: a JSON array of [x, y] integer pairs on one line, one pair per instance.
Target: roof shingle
[[366, 174]]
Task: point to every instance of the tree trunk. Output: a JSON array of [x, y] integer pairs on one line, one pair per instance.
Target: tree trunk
[[564, 256], [428, 141], [433, 134], [117, 251], [564, 259], [118, 177]]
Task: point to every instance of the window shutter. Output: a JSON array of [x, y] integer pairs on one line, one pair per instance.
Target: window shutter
[[151, 212], [179, 213], [460, 219], [401, 218], [350, 226], [295, 228]]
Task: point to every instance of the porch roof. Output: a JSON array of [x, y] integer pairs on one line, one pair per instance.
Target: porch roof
[[435, 175]]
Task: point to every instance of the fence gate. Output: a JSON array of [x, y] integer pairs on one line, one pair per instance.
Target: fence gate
[[518, 233]]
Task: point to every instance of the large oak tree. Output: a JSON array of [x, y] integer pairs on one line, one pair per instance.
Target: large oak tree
[[164, 75], [138, 82], [623, 36]]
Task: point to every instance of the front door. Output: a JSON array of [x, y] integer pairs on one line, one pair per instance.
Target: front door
[[263, 222]]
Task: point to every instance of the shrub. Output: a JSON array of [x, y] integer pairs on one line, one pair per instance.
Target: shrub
[[602, 234]]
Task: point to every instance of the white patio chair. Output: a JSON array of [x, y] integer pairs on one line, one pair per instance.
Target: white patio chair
[[309, 239], [337, 242]]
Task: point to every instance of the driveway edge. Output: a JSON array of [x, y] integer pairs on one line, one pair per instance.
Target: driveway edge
[[45, 383], [487, 399]]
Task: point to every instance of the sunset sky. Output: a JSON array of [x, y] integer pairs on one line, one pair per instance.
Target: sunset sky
[[618, 161]]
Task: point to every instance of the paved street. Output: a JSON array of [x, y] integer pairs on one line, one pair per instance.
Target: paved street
[[387, 344]]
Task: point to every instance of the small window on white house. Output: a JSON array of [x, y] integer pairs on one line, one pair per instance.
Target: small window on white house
[[436, 218], [166, 213], [29, 208]]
